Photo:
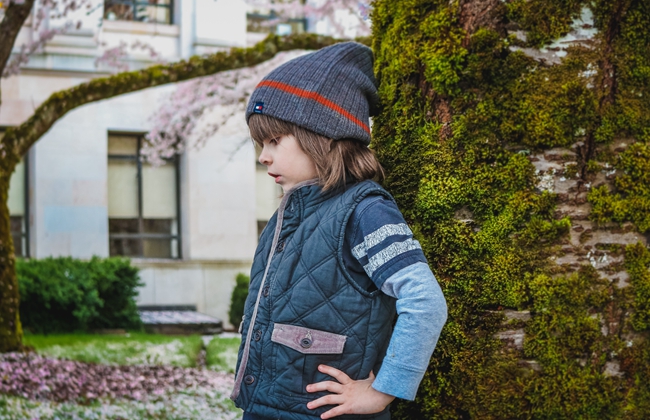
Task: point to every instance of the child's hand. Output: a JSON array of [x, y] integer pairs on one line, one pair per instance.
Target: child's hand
[[349, 396]]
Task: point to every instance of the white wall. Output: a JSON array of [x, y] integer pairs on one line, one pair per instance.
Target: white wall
[[69, 183], [222, 177], [207, 285], [219, 23]]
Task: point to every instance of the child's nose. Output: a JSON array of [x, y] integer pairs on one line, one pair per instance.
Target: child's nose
[[264, 158]]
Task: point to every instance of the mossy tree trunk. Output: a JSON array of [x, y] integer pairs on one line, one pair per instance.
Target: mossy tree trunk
[[10, 328], [515, 137], [17, 140]]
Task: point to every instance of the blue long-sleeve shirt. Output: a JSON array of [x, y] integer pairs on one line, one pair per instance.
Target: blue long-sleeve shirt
[[381, 245]]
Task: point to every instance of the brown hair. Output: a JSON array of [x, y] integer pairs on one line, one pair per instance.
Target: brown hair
[[337, 161]]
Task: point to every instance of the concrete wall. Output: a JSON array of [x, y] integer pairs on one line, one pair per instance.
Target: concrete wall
[[206, 284]]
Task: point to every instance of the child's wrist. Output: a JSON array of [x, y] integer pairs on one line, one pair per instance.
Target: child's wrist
[[383, 397]]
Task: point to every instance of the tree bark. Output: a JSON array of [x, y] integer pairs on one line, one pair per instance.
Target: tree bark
[[17, 140], [524, 172], [10, 328], [15, 17]]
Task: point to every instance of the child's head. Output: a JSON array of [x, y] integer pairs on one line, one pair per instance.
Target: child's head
[[335, 162], [323, 100]]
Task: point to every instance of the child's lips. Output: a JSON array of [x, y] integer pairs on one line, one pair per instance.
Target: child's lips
[[277, 177]]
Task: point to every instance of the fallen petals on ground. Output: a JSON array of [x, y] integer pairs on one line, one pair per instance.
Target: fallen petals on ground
[[35, 377]]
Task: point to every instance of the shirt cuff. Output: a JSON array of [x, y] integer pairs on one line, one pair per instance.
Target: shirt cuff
[[397, 380]]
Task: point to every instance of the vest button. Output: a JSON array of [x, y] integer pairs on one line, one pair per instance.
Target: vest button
[[249, 379], [305, 343], [280, 247], [258, 335], [265, 291]]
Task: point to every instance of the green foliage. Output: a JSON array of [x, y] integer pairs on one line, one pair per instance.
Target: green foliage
[[66, 294], [238, 299]]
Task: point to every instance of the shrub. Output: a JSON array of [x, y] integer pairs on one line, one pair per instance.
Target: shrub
[[66, 294], [237, 300]]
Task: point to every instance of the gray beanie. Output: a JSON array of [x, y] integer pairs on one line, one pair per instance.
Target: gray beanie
[[331, 92]]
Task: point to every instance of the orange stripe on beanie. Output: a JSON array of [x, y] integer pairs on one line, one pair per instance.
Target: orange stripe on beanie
[[316, 97], [332, 92]]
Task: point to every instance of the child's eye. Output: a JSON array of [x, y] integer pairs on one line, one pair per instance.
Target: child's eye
[[274, 140]]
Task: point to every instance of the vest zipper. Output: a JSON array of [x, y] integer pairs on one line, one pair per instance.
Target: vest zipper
[[251, 325]]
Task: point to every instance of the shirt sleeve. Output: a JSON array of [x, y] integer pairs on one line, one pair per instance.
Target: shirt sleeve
[[379, 242], [381, 247], [422, 312]]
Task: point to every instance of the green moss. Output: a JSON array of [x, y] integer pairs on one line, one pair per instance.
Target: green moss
[[442, 54], [544, 20], [456, 109], [631, 199], [637, 262], [636, 365], [571, 171]]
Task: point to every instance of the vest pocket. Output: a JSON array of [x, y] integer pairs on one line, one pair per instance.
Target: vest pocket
[[297, 352]]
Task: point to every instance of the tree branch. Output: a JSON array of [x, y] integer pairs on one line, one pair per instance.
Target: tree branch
[[18, 140], [15, 17]]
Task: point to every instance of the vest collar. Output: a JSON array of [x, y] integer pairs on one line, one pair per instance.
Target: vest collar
[[301, 198]]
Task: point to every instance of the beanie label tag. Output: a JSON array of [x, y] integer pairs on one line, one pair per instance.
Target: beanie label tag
[[259, 107]]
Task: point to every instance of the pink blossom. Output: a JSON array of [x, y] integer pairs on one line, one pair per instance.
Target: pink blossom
[[35, 377], [177, 123]]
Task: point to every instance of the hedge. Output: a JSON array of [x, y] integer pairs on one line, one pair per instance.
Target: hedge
[[238, 299], [66, 295]]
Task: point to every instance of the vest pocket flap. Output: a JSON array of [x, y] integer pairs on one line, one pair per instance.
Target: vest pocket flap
[[308, 341]]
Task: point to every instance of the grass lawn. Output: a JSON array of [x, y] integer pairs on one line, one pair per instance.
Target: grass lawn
[[131, 349], [198, 403], [135, 348], [222, 354]]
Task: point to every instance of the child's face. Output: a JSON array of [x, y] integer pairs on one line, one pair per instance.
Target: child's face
[[287, 162]]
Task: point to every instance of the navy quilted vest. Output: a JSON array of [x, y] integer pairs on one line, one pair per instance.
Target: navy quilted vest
[[305, 309]]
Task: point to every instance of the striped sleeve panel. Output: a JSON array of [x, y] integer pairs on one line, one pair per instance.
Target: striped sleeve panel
[[380, 239]]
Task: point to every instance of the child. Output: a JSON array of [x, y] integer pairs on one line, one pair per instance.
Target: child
[[336, 262]]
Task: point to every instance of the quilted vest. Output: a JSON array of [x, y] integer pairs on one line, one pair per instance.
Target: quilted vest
[[304, 308]]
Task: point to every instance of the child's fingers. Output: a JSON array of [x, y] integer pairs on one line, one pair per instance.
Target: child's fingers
[[325, 386], [334, 412], [331, 399], [335, 373]]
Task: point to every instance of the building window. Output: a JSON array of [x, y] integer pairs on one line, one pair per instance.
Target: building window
[[263, 21], [154, 11], [18, 203], [143, 202]]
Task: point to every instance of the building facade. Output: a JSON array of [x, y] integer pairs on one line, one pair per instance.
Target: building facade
[[192, 224]]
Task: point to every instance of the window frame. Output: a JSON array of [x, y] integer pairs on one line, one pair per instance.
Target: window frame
[[135, 3], [254, 19], [139, 137], [24, 234]]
